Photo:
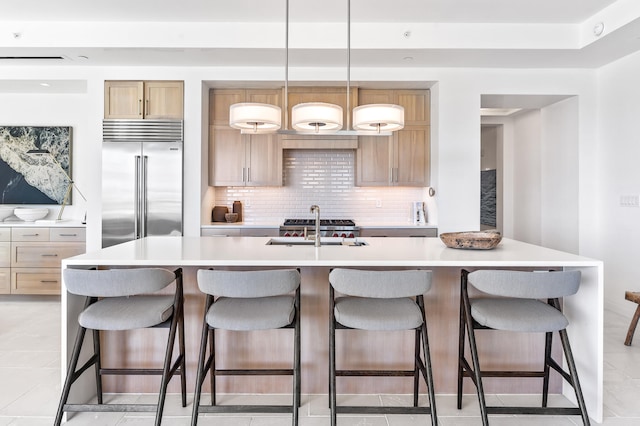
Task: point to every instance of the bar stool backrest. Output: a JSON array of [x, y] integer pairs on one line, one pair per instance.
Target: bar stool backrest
[[116, 282], [380, 284], [526, 285], [241, 284]]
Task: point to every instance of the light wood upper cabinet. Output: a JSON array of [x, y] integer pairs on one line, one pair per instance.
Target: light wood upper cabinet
[[144, 99], [402, 159], [242, 160], [330, 95]]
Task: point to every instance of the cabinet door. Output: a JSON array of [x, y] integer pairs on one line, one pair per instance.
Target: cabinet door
[[373, 161], [416, 105], [226, 157], [264, 160], [219, 102], [411, 157], [163, 99], [123, 99]]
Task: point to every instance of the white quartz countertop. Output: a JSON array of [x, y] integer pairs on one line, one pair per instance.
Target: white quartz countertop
[[383, 252]]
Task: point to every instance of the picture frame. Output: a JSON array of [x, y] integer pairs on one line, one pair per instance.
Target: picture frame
[[26, 178]]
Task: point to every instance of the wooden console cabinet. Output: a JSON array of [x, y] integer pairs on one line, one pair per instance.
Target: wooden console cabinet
[[30, 257]]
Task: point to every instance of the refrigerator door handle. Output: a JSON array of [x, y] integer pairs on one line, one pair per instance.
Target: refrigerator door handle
[[143, 198], [136, 204]]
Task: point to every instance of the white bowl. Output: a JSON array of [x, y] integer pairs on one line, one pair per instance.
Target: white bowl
[[5, 212], [31, 214]]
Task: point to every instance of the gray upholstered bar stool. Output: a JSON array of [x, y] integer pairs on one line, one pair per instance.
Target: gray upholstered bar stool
[[381, 301], [243, 301], [518, 308], [118, 300]]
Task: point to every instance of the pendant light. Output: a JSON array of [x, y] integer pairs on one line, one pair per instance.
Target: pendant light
[[372, 117], [326, 118], [317, 117], [312, 117], [255, 117], [378, 117]]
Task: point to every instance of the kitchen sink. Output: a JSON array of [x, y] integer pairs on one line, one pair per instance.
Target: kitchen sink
[[326, 241]]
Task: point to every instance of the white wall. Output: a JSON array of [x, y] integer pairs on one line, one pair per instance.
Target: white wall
[[618, 228], [558, 176], [18, 109], [527, 160]]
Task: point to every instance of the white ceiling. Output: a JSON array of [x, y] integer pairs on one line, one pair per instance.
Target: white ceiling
[[397, 33], [497, 11]]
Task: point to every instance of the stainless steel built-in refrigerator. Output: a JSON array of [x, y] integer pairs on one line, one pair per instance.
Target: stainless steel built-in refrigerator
[[141, 179]]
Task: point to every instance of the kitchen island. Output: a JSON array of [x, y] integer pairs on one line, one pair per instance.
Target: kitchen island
[[584, 310]]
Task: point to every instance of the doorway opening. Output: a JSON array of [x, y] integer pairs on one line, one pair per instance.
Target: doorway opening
[[536, 168]]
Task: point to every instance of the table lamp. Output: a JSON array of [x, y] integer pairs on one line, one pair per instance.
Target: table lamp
[[45, 152]]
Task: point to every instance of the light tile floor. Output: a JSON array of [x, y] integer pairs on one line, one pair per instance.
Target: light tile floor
[[30, 384]]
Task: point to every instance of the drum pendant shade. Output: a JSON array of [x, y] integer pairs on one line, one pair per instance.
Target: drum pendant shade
[[255, 117], [316, 117], [387, 117]]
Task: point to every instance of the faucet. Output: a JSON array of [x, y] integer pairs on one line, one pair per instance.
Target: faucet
[[316, 209]]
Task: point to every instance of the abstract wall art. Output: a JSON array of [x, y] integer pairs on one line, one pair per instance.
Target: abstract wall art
[[40, 178], [488, 197]]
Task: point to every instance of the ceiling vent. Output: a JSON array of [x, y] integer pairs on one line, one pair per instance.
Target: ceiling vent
[[21, 58]]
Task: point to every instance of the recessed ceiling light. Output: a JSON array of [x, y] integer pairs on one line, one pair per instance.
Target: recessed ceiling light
[[45, 84], [408, 58]]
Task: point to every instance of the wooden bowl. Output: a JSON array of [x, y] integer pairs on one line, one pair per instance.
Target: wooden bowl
[[476, 240]]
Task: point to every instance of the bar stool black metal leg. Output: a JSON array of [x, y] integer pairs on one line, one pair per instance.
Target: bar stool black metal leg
[[547, 363], [166, 370], [461, 355], [416, 368], [212, 366], [183, 370], [202, 369], [73, 364], [476, 363], [574, 376], [332, 359], [98, 364], [427, 359], [296, 362]]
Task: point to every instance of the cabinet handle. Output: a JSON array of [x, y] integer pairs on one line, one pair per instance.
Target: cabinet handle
[[68, 235], [146, 107], [31, 235], [49, 255], [248, 174], [49, 281], [139, 106]]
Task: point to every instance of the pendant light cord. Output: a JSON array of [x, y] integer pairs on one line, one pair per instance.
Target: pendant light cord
[[348, 64], [286, 70]]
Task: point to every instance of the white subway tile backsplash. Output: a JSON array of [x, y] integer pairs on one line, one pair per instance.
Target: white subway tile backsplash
[[326, 178]]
